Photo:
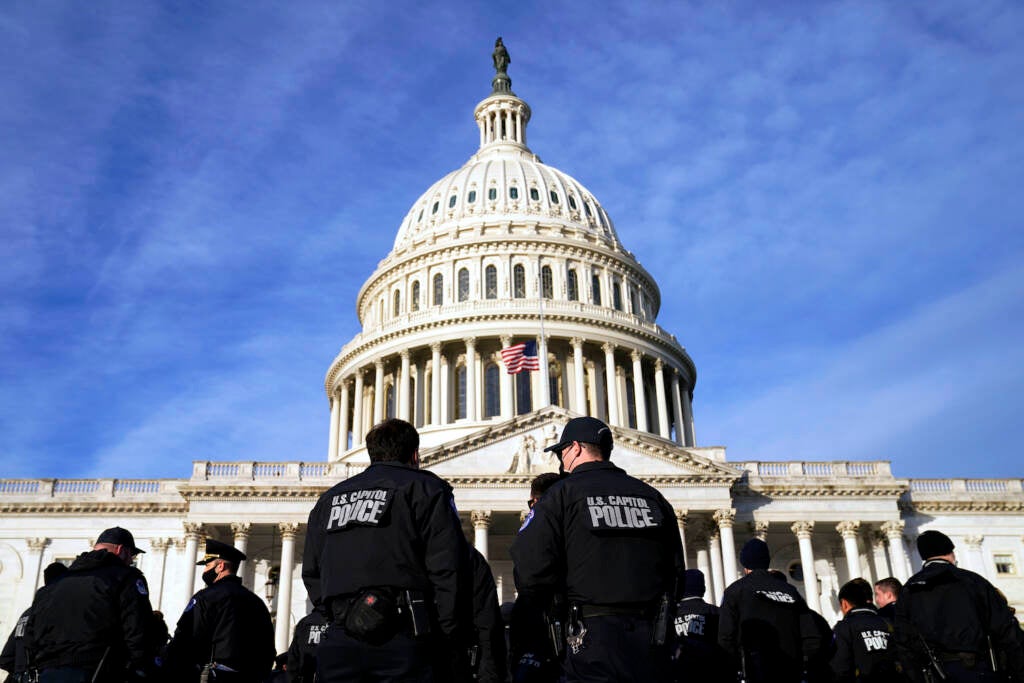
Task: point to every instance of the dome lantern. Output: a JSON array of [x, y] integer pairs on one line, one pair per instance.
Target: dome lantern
[[502, 117]]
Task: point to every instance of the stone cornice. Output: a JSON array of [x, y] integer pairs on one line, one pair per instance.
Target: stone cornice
[[819, 489], [116, 507], [258, 492], [1003, 506]]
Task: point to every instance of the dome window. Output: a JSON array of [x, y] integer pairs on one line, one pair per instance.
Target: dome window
[[513, 193], [451, 202], [460, 400], [463, 284], [519, 282], [472, 196], [572, 203], [492, 391], [492, 194], [534, 194], [554, 197], [438, 289], [396, 309], [434, 210], [595, 288], [491, 282], [572, 286], [617, 296], [586, 208], [420, 218], [414, 302], [546, 285]]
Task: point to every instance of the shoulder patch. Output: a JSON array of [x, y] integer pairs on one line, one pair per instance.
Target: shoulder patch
[[190, 605], [365, 507], [140, 585], [529, 518]]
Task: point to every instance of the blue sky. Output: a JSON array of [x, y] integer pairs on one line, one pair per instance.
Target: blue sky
[[829, 195]]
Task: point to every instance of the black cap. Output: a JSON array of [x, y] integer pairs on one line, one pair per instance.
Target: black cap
[[118, 536], [584, 430], [755, 554], [218, 550], [693, 583], [53, 571], [934, 544]]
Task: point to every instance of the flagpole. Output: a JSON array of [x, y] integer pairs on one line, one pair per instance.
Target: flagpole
[[542, 348]]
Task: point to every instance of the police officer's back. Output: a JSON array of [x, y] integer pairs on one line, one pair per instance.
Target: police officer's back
[[864, 648], [225, 626], [946, 617], [14, 658], [386, 556], [611, 543], [305, 641], [764, 622], [93, 623], [490, 647], [698, 654]]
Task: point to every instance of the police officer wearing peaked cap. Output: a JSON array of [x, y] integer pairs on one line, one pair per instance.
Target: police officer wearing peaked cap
[[610, 544], [386, 557], [947, 617], [225, 626]]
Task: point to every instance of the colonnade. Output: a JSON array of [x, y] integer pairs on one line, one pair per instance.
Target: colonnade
[[430, 386]]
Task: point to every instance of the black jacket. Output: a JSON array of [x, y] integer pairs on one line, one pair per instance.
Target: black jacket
[[13, 659], [954, 610], [390, 526], [699, 656], [864, 648], [302, 652], [490, 629], [99, 604], [604, 537], [768, 630], [225, 623]]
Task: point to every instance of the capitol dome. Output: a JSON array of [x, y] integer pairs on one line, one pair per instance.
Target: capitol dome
[[502, 251]]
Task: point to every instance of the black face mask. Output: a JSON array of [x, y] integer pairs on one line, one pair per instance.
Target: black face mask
[[209, 576]]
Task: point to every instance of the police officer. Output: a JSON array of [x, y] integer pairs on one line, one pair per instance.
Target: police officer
[[490, 649], [93, 623], [305, 641], [765, 626], [864, 650], [952, 621], [14, 658], [386, 557], [698, 656], [887, 592], [610, 543], [225, 627]]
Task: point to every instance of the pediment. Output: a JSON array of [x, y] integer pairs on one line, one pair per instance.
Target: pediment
[[516, 448]]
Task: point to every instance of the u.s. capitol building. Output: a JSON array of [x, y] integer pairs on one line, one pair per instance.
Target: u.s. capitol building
[[504, 250]]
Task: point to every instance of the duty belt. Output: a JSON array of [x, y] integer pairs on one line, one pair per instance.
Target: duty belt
[[626, 610]]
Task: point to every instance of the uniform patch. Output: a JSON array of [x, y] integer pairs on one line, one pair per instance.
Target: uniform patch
[[365, 507], [190, 605], [315, 632], [622, 512], [140, 585], [690, 625], [875, 640], [777, 596], [529, 518]]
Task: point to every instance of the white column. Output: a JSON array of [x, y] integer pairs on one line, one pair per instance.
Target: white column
[[975, 558], [681, 523], [689, 430], [579, 386], [612, 388], [35, 566], [343, 420], [803, 534], [402, 395], [519, 127], [332, 444], [715, 549], [659, 392], [481, 523], [881, 562], [677, 408], [596, 407], [704, 565], [639, 398], [193, 534], [471, 401], [446, 400], [158, 546], [898, 558], [240, 531], [725, 519], [505, 381], [544, 398], [435, 383], [282, 636], [848, 530], [357, 410], [378, 391]]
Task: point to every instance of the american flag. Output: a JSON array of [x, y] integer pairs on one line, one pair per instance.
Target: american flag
[[519, 357]]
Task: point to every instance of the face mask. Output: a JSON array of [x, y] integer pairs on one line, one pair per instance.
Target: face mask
[[209, 576]]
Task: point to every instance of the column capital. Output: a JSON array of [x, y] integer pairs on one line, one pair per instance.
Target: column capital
[[404, 354], [37, 543], [288, 529], [470, 342], [635, 355], [848, 529], [759, 528], [576, 342], [379, 364], [802, 529], [608, 347], [974, 541], [659, 365], [178, 543], [194, 530], [505, 339], [681, 517], [481, 519], [160, 544], [725, 517], [894, 529], [435, 347], [241, 529]]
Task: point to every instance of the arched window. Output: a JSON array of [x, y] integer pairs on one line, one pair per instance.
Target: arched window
[[546, 287], [396, 308], [492, 399], [438, 289], [472, 197], [451, 202], [389, 401], [534, 195], [617, 296], [572, 286], [463, 284], [524, 396], [595, 288], [634, 303], [555, 384], [519, 282], [460, 399], [513, 192], [415, 303], [491, 282]]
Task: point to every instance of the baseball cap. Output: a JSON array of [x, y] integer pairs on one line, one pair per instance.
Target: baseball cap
[[584, 430], [119, 536]]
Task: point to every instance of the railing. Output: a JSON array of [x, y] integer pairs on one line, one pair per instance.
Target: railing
[[819, 469], [136, 486], [268, 472], [76, 486], [19, 486], [968, 486], [91, 489]]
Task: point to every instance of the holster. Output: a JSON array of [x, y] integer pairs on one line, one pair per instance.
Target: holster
[[554, 620], [663, 618], [372, 616]]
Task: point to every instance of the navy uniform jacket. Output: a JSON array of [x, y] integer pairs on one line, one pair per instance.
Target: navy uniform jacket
[[302, 653], [395, 526], [225, 623], [490, 628], [13, 659], [864, 648], [954, 610], [605, 537], [699, 656]]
